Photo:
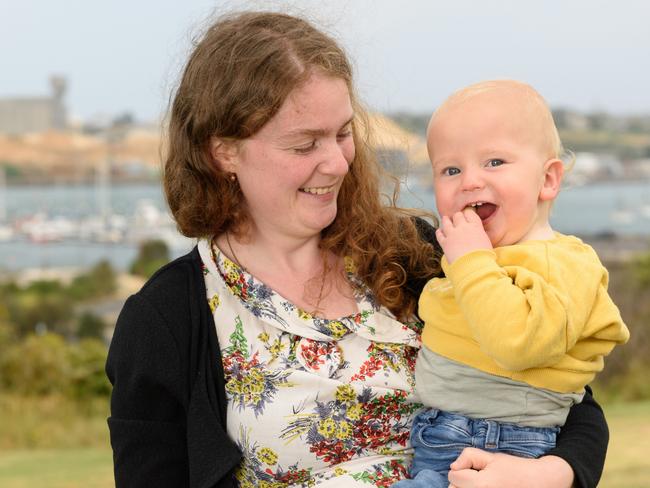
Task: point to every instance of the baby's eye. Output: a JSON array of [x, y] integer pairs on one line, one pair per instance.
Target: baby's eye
[[305, 149], [495, 162], [450, 171]]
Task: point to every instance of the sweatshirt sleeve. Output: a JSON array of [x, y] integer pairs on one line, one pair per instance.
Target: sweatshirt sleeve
[[147, 422], [583, 440]]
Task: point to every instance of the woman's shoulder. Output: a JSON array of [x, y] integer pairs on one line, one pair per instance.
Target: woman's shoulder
[[426, 231], [170, 294], [174, 276]]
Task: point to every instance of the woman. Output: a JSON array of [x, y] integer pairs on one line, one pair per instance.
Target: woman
[[272, 353]]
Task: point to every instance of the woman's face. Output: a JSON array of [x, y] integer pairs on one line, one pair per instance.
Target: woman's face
[[291, 170]]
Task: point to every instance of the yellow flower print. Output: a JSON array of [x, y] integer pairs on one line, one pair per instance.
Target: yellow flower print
[[327, 428], [251, 386], [268, 456], [276, 347], [241, 476], [354, 412], [386, 451], [344, 430], [345, 394], [214, 302], [232, 276], [256, 379], [304, 315], [264, 337], [337, 329], [271, 484], [340, 471]]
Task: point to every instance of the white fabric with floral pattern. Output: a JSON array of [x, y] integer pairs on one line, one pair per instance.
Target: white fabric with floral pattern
[[310, 400]]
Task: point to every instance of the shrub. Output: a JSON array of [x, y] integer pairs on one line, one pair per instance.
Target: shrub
[[625, 373], [45, 364], [37, 365], [87, 376], [42, 302], [90, 325]]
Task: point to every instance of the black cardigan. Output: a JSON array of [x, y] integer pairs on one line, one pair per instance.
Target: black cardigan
[[168, 406]]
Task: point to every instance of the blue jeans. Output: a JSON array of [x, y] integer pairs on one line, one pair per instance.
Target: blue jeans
[[439, 437]]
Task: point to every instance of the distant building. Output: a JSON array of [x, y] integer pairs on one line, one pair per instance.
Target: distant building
[[20, 115]]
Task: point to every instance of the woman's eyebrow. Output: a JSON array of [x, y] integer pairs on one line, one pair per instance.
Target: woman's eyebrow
[[313, 132]]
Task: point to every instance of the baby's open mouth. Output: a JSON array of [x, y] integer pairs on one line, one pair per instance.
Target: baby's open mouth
[[483, 209]]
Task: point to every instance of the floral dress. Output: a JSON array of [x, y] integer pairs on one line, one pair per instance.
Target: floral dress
[[311, 400]]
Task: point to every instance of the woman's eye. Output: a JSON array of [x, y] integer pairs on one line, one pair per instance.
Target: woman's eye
[[450, 171], [307, 148], [343, 135], [495, 162]]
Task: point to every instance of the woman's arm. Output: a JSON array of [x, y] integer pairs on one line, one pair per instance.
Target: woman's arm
[[583, 440], [147, 422], [577, 460]]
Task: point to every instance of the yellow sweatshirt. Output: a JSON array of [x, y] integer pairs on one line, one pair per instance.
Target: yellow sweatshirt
[[536, 312]]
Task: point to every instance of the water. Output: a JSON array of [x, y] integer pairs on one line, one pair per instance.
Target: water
[[618, 207], [74, 202]]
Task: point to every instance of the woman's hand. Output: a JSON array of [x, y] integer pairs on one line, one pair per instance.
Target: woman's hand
[[475, 468]]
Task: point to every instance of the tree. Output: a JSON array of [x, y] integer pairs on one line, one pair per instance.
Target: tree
[[100, 281], [151, 256]]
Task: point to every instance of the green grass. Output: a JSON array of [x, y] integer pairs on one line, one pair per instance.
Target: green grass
[[57, 468], [627, 465], [52, 422]]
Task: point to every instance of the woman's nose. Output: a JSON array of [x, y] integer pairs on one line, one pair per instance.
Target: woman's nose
[[337, 160]]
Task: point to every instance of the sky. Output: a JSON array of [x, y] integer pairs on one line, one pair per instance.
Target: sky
[[126, 55]]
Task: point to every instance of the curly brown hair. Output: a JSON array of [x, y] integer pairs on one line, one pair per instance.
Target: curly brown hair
[[236, 79]]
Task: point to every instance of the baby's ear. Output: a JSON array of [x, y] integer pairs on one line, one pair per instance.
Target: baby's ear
[[553, 173], [224, 154]]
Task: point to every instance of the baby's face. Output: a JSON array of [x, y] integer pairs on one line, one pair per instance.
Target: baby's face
[[488, 153]]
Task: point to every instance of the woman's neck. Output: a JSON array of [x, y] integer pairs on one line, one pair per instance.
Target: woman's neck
[[296, 269], [261, 255]]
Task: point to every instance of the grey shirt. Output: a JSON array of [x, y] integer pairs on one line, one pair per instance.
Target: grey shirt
[[454, 387]]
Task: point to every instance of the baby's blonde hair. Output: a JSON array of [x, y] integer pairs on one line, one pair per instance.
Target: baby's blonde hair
[[535, 104]]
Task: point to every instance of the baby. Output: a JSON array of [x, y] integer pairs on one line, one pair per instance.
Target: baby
[[522, 321]]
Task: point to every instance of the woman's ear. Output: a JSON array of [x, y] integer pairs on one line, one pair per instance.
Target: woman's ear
[[224, 154], [553, 174]]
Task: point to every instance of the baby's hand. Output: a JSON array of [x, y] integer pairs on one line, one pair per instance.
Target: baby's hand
[[462, 233]]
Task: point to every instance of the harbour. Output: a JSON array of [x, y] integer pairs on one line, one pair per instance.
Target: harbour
[[79, 225]]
